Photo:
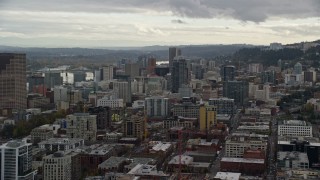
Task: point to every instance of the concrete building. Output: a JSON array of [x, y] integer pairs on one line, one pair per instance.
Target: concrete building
[[123, 90], [309, 145], [255, 68], [187, 165], [81, 125], [292, 160], [43, 133], [107, 73], [223, 105], [157, 106], [103, 116], [16, 160], [60, 94], [294, 128], [237, 90], [134, 127], [188, 123], [180, 74], [237, 143], [57, 166], [132, 69], [207, 117], [186, 109], [13, 80], [61, 144], [110, 102]]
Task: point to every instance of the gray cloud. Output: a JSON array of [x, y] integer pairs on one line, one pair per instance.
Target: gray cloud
[[178, 21], [244, 10]]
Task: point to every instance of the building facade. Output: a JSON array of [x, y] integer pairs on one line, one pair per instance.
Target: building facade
[[223, 105], [16, 160], [180, 74], [157, 106], [81, 125], [295, 128], [13, 80]]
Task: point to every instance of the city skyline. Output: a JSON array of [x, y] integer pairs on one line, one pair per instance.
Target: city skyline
[[144, 23]]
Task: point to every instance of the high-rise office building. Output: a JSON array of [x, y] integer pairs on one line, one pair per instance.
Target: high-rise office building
[[132, 69], [107, 72], [123, 89], [52, 79], [157, 106], [173, 52], [180, 74], [228, 73], [13, 81], [16, 160], [237, 90]]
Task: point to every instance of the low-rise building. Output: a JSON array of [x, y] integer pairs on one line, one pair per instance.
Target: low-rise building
[[61, 144], [247, 166], [44, 132], [237, 143], [61, 166], [292, 159], [294, 128]]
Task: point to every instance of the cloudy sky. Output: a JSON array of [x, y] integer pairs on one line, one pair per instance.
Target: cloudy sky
[[110, 23]]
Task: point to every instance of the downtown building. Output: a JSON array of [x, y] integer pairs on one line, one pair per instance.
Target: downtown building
[[295, 128], [157, 106], [13, 81], [223, 105], [237, 90], [180, 74], [16, 160], [81, 125]]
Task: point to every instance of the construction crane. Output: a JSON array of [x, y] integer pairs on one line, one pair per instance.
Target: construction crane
[[182, 132]]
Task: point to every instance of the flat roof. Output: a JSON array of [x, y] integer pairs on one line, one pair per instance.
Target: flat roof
[[228, 175], [243, 160]]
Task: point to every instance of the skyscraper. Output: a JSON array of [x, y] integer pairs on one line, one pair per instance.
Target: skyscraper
[[16, 160], [228, 73], [173, 52], [180, 74], [13, 80], [107, 72]]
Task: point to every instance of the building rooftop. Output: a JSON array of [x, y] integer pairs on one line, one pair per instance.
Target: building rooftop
[[294, 123], [185, 160], [146, 170], [61, 141], [294, 155], [15, 144], [112, 162], [243, 160], [162, 146], [228, 176]]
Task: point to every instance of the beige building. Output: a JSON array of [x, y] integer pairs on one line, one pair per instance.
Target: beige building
[[41, 134], [81, 125], [134, 127], [237, 143], [57, 166]]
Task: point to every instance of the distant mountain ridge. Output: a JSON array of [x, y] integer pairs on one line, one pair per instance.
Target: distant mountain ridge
[[161, 52]]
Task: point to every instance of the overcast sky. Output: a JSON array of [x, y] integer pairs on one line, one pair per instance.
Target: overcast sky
[[110, 23]]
